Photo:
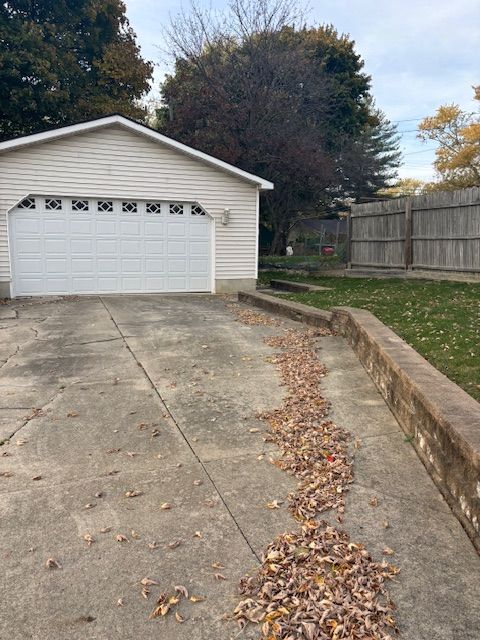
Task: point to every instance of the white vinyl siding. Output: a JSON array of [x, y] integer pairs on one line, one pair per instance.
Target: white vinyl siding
[[114, 162]]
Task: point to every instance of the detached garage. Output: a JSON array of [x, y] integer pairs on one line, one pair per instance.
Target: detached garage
[[111, 206]]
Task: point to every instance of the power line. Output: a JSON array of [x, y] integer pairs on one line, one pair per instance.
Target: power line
[[411, 153]]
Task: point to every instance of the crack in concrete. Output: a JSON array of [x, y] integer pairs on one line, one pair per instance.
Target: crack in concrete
[[32, 416], [177, 426], [12, 355], [79, 344]]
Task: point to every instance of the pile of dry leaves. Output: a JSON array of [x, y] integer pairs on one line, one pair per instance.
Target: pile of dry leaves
[[312, 448], [314, 584], [252, 318]]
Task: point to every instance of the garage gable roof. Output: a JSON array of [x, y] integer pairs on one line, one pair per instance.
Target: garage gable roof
[[116, 119]]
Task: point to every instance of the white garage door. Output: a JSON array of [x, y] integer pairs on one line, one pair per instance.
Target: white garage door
[[73, 245]]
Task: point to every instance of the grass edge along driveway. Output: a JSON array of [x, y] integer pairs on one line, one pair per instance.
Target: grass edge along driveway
[[440, 319]]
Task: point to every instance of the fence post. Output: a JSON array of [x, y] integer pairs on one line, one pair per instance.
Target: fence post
[[349, 240], [408, 234]]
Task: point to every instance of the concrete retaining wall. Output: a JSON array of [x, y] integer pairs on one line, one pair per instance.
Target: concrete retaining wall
[[441, 419]]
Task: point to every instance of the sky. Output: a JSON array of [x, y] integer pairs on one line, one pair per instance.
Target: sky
[[419, 53]]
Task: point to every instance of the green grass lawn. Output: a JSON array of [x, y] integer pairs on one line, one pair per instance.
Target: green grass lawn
[[307, 263], [441, 320]]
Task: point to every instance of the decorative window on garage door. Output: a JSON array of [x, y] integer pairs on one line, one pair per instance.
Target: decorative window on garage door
[[197, 210], [28, 203]]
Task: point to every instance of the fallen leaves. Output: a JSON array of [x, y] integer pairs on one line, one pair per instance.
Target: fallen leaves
[[133, 493], [121, 538], [317, 584], [166, 601], [274, 504], [312, 448], [252, 318], [51, 563]]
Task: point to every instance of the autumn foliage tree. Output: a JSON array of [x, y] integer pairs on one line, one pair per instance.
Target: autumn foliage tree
[[62, 61], [457, 133], [260, 90]]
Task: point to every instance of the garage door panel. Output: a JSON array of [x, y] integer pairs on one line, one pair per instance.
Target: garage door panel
[[106, 247], [27, 225], [97, 251], [131, 246], [176, 229], [55, 265], [154, 265], [55, 226], [131, 265], [83, 285], [198, 248], [154, 247], [175, 266], [199, 283], [29, 246], [200, 230], [177, 283], [81, 227], [129, 283], [57, 285], [176, 248], [83, 265], [30, 266], [108, 285], [31, 286], [81, 245], [55, 245], [154, 228], [198, 266], [130, 228], [106, 227], [107, 265]]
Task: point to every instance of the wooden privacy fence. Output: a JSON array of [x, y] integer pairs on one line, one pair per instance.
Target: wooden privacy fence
[[435, 231]]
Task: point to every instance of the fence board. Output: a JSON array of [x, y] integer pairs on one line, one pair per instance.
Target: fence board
[[438, 231]]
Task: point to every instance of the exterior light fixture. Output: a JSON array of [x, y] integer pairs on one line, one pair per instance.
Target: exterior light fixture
[[226, 216]]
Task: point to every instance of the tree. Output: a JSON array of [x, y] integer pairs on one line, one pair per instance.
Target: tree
[[67, 60], [458, 155], [277, 99], [368, 162], [402, 188]]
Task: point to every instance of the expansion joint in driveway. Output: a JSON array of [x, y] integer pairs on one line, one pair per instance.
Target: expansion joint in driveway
[[178, 427]]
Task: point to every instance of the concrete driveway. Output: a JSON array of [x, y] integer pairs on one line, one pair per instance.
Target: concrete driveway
[[100, 397], [155, 397]]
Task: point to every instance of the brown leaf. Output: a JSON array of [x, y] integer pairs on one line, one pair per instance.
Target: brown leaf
[[388, 551], [135, 535], [181, 589], [72, 414], [166, 505], [198, 534], [121, 538], [373, 502], [89, 505], [153, 545], [120, 602], [174, 544], [217, 565], [219, 576], [147, 582], [178, 617], [197, 483], [37, 477], [197, 599], [105, 529], [88, 539], [133, 493], [6, 474], [275, 504], [51, 563], [145, 593]]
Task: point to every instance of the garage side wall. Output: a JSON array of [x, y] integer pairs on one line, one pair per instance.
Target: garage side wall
[[116, 163]]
